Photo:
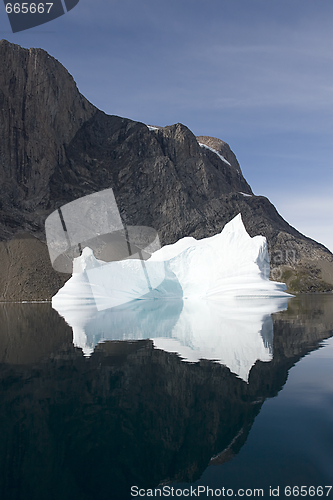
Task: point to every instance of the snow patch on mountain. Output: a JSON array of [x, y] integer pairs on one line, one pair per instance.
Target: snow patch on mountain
[[214, 151]]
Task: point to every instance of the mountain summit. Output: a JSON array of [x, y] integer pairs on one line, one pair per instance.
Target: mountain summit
[[56, 147]]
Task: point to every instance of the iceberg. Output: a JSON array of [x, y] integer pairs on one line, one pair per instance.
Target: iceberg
[[213, 299], [229, 264]]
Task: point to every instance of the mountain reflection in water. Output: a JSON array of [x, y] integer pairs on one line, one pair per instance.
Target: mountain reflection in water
[[130, 414]]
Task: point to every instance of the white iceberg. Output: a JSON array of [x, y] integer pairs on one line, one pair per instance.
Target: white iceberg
[[229, 264]]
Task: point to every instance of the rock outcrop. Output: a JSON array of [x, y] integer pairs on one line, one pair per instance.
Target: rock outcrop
[[56, 147]]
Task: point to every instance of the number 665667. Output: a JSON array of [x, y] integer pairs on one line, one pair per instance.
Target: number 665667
[[26, 8]]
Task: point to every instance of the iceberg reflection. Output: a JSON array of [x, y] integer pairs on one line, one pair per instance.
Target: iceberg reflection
[[233, 332]]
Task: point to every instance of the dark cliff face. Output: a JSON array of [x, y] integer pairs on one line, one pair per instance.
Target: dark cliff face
[[40, 112], [56, 147]]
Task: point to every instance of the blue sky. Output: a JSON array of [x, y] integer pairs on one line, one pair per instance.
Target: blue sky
[[258, 74]]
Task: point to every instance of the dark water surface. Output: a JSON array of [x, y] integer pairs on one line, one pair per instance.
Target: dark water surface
[[78, 427]]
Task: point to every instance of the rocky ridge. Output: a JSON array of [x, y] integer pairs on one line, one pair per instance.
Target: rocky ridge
[[56, 147]]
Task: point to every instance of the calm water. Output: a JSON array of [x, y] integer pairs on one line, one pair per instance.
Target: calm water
[[89, 419]]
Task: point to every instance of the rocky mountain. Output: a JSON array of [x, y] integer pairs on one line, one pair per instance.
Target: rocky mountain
[[56, 147]]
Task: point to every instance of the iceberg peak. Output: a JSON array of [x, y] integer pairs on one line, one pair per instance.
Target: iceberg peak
[[86, 261]]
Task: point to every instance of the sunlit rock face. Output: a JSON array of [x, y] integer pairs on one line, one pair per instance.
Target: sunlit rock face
[[215, 299]]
